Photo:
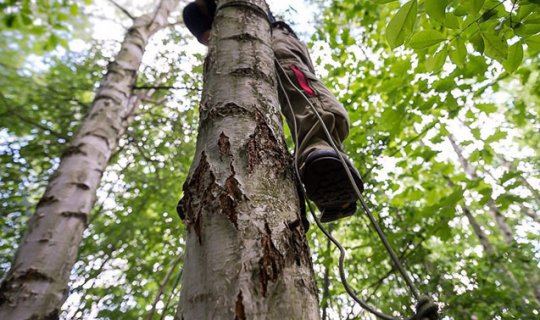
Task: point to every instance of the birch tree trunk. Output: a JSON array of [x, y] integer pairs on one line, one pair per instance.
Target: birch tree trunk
[[246, 254], [36, 285]]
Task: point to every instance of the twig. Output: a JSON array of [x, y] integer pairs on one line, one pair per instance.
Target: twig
[[163, 284], [510, 13], [124, 10], [473, 22]]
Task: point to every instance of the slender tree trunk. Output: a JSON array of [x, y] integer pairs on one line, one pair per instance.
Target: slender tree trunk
[[526, 211], [480, 234], [526, 183], [504, 228], [36, 285], [246, 254]]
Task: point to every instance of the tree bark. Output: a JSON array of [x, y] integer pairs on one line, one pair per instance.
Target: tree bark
[[246, 253], [36, 285]]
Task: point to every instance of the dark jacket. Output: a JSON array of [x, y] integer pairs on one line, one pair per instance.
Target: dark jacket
[[199, 15], [198, 20]]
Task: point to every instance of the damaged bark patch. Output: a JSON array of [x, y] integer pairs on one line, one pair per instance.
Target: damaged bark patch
[[79, 215], [81, 185], [263, 147], [271, 263], [244, 37], [224, 146], [240, 313], [225, 110], [197, 186], [298, 249], [32, 275], [74, 150], [252, 73], [45, 200], [230, 197], [101, 137], [202, 191]]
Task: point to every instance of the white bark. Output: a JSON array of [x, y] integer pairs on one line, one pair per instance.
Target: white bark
[[246, 255], [36, 285]]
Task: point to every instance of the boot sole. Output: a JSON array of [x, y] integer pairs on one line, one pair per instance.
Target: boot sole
[[329, 186]]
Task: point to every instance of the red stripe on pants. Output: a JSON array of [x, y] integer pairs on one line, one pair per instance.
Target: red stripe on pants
[[302, 80]]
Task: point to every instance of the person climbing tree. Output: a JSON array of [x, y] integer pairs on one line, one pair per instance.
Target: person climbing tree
[[320, 166]]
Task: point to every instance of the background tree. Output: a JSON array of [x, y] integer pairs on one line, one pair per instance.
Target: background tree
[[35, 286]]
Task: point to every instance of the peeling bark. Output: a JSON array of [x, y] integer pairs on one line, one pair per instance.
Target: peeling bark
[[246, 253], [36, 285]]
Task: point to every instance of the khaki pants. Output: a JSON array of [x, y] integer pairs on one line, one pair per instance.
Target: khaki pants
[[294, 59]]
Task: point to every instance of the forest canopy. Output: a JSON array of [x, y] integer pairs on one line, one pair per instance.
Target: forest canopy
[[444, 103]]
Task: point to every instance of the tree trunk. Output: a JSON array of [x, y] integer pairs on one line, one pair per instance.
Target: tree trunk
[[36, 285], [504, 228], [246, 253], [480, 234]]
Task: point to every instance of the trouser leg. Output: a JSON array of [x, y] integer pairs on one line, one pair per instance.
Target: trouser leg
[[295, 69]]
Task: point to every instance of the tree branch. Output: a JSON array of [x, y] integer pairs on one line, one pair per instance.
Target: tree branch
[[162, 286], [124, 10], [144, 87]]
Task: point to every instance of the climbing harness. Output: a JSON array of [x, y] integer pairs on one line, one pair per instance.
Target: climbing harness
[[425, 307]]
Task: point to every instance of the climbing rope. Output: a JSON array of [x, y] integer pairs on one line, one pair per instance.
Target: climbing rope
[[425, 307]]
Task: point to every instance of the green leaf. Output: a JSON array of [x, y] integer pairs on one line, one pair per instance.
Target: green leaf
[[533, 43], [382, 1], [401, 24], [435, 62], [73, 9], [452, 21], [478, 43], [486, 107], [477, 66], [436, 9], [515, 56], [473, 6], [9, 20], [460, 11], [425, 39], [495, 46], [391, 120], [498, 135], [527, 29], [459, 54], [444, 85]]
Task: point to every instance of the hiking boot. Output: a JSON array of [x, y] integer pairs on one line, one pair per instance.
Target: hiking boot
[[328, 184]]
